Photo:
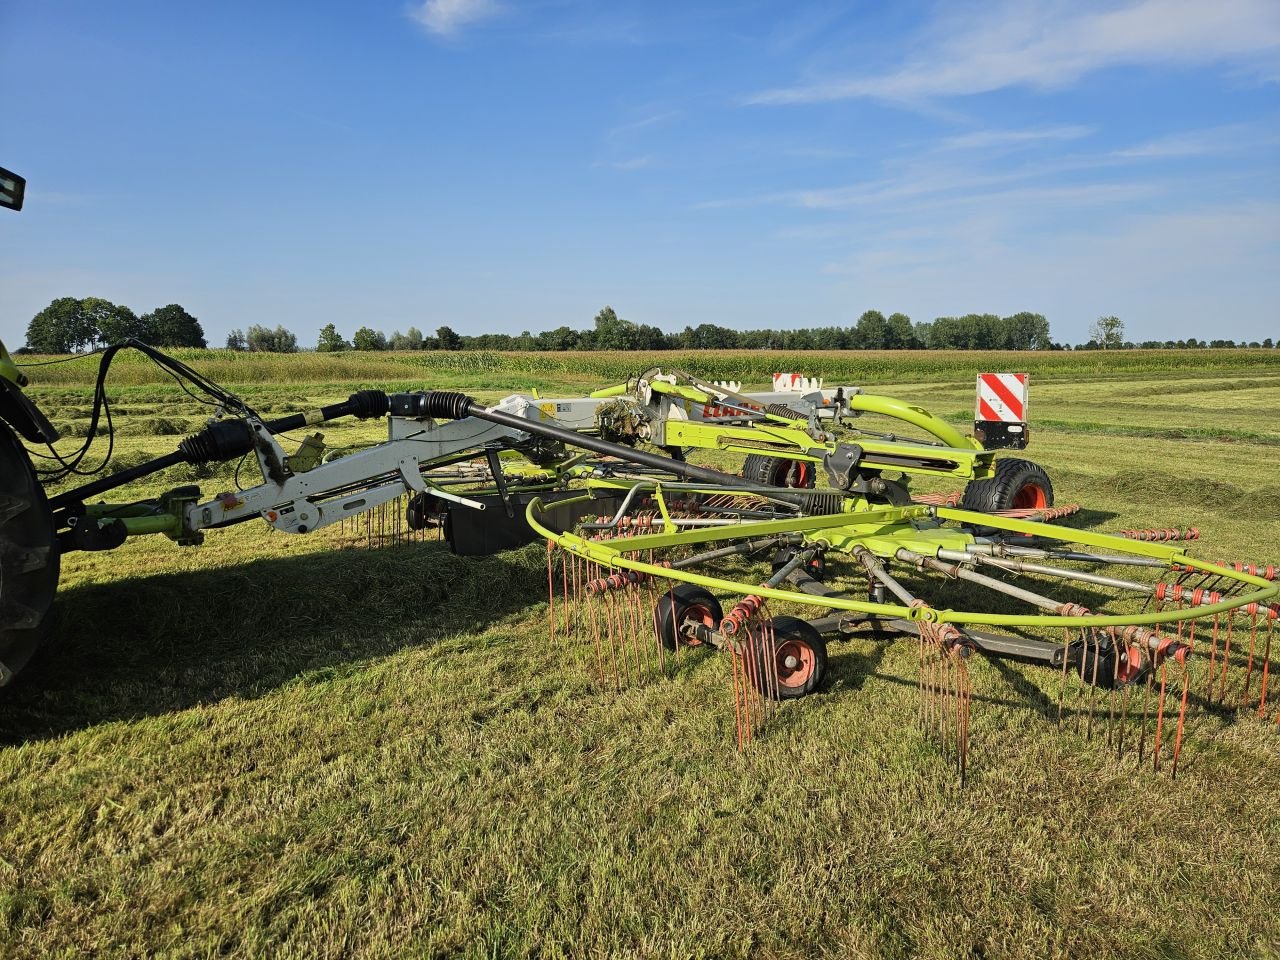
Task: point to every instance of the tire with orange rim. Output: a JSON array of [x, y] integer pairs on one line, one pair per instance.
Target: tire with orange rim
[[683, 604], [1017, 485], [799, 656]]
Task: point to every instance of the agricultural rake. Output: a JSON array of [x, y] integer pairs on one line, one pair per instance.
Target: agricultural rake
[[652, 557]]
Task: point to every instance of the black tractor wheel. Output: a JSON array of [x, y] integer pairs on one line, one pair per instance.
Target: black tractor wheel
[[778, 471], [680, 606], [29, 561], [1017, 485], [799, 657]]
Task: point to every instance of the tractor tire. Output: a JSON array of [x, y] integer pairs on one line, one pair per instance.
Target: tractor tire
[[1017, 485], [778, 472], [29, 560], [678, 605], [799, 655]]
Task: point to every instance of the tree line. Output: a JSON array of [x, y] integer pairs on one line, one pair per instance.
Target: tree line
[[872, 331], [69, 325]]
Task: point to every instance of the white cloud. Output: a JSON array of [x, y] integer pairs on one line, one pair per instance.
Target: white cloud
[[1047, 45], [982, 139], [445, 18], [1195, 143]]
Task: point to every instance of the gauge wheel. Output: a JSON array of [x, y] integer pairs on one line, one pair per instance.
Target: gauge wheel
[[679, 608], [799, 657]]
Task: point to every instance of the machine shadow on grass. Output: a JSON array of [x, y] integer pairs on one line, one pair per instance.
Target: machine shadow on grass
[[145, 646]]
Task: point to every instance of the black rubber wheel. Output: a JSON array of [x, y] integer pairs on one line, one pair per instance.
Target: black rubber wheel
[[29, 561], [1017, 484], [778, 471], [684, 602], [800, 659]]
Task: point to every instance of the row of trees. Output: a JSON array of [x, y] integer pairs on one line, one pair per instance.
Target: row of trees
[[873, 331], [1107, 333], [68, 325]]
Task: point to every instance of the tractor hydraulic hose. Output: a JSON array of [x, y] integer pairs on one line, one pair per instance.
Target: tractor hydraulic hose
[[456, 405], [225, 440]]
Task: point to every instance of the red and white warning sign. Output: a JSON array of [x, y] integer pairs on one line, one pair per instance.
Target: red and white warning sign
[[1002, 398]]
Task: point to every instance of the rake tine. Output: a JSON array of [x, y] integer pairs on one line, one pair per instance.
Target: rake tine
[[1213, 659], [551, 592], [1115, 676], [1091, 637], [1226, 656], [1159, 719], [1182, 718], [1266, 668], [1142, 730], [1062, 684], [1248, 674]]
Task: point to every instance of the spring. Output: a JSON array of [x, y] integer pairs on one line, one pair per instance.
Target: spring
[[1162, 536]]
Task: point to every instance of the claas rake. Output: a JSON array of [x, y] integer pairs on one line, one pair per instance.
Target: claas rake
[[796, 526]]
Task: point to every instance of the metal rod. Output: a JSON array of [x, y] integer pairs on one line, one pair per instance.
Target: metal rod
[[687, 471], [877, 570], [747, 546], [964, 573], [1021, 566], [1041, 554]]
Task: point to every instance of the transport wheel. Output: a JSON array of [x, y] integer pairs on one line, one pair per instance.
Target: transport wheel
[[1017, 485], [799, 655], [683, 603], [777, 471], [29, 561]]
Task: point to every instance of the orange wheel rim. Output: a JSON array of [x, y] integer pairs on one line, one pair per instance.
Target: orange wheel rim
[[795, 663], [1032, 496], [698, 612]]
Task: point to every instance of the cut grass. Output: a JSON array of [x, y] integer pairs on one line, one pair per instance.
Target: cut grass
[[291, 746]]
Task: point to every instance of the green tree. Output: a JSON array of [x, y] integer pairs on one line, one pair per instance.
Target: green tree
[[265, 340], [236, 341], [447, 339], [561, 338], [1026, 331], [870, 332], [172, 326], [331, 340], [614, 333], [899, 334], [1107, 332], [366, 338], [61, 327], [115, 323], [69, 325]]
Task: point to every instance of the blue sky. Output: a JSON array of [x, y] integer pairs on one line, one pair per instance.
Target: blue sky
[[498, 165]]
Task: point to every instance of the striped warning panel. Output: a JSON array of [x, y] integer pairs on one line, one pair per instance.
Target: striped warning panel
[[1002, 398]]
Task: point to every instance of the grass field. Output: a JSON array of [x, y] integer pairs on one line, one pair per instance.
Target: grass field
[[275, 746]]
